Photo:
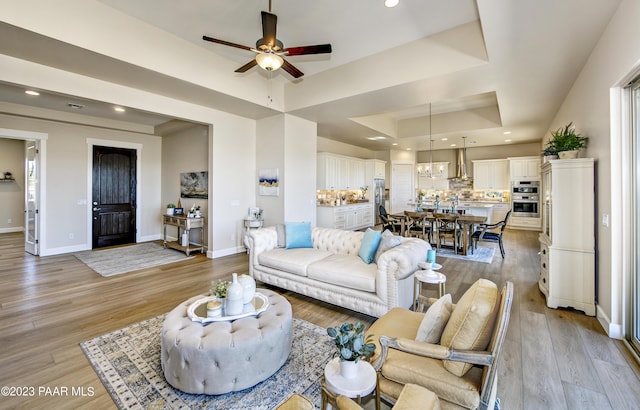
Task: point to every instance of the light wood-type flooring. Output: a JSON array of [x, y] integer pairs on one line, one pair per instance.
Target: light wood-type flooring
[[553, 359]]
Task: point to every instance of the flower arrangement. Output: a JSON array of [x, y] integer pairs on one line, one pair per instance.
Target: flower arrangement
[[350, 341], [364, 190], [219, 288]]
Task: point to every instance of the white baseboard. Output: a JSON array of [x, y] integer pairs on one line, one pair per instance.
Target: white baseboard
[[64, 249], [12, 229], [225, 252], [614, 330], [150, 238]]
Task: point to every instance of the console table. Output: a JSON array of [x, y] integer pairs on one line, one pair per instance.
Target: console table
[[185, 225]]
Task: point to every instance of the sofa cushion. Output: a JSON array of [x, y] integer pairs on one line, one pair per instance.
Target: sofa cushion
[[435, 320], [291, 260], [471, 323], [298, 235], [387, 241], [369, 245], [345, 270]]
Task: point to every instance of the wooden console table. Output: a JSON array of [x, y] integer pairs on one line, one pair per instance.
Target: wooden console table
[[185, 225]]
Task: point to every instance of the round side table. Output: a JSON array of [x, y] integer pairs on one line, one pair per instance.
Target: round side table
[[333, 384], [431, 277]]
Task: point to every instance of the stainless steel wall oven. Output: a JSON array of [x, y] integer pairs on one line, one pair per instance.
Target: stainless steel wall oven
[[525, 198]]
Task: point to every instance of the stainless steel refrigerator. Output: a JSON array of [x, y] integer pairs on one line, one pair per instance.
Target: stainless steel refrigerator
[[378, 197]]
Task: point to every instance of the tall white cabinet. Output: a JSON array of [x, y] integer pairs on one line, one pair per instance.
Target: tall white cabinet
[[567, 241]]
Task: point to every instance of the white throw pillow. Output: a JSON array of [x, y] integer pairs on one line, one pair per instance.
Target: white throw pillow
[[387, 241], [435, 320]]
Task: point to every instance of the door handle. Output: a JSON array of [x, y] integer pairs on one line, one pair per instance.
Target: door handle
[[95, 208]]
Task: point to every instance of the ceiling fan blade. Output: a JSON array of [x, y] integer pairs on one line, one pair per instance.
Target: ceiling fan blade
[[289, 68], [269, 22], [247, 66], [318, 49], [225, 43]]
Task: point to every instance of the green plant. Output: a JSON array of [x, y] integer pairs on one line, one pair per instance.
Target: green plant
[[350, 341], [219, 289], [565, 139], [170, 205]]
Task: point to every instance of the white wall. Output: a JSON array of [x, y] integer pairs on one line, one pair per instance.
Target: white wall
[[595, 113], [12, 153]]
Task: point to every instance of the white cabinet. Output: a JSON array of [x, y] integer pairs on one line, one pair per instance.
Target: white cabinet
[[524, 168], [491, 175], [499, 212], [375, 169], [567, 241], [351, 217], [336, 172]]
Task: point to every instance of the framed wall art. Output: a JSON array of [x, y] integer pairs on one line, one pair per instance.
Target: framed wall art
[[268, 182], [194, 185]]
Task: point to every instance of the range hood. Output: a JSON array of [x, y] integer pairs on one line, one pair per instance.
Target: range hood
[[461, 165]]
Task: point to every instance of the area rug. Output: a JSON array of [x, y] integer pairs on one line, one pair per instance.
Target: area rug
[[114, 261], [128, 364], [482, 254]]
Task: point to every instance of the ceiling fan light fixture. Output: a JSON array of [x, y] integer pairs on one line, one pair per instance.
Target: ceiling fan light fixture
[[269, 61]]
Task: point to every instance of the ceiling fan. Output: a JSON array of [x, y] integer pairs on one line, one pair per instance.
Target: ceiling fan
[[269, 50]]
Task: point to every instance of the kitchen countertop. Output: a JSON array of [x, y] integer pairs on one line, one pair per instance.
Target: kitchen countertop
[[342, 206]]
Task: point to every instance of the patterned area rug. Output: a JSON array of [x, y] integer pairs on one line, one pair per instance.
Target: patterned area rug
[[482, 254], [114, 261], [128, 363]]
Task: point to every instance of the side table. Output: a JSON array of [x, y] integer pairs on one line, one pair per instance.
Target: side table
[[431, 277], [333, 384]]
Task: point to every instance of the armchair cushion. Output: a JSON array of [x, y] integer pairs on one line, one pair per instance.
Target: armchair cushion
[[435, 320], [471, 323]]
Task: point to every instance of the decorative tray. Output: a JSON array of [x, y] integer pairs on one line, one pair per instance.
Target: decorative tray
[[197, 311], [434, 266]]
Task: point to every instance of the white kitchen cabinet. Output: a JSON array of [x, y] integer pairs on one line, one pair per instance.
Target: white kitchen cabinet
[[491, 174], [352, 217], [524, 168], [499, 212], [338, 172], [375, 169], [567, 241]]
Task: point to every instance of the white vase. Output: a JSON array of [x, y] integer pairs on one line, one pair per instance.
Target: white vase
[[248, 287], [234, 297], [348, 369]]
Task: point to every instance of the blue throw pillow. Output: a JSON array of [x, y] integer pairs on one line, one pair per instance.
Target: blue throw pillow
[[369, 245], [298, 235]]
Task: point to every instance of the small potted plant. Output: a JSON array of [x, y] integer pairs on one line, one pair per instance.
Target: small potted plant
[[219, 288], [550, 152], [566, 142], [350, 341], [170, 208]]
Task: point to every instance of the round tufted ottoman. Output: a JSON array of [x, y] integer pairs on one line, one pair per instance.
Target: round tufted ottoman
[[222, 357]]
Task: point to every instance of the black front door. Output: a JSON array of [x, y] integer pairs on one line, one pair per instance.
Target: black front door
[[114, 196]]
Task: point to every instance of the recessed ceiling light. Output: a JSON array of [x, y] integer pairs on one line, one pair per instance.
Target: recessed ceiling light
[[119, 109], [408, 149], [444, 139], [376, 138], [473, 142], [394, 144], [75, 106], [31, 92], [453, 145], [507, 140], [507, 132], [391, 3]]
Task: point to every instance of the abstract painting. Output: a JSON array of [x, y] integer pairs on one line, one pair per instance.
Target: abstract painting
[[194, 185], [268, 182]]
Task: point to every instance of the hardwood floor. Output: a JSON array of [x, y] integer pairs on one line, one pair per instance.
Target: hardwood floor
[[553, 359]]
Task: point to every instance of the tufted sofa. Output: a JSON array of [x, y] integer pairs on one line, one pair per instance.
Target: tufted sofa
[[333, 272]]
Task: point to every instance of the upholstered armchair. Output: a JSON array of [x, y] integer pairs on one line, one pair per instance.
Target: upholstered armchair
[[458, 360]]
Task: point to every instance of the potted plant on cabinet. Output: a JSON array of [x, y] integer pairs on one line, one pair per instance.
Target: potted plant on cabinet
[[350, 341], [170, 208], [566, 142]]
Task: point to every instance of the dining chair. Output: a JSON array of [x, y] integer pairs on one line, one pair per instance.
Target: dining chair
[[490, 233], [418, 225], [447, 227], [389, 222]]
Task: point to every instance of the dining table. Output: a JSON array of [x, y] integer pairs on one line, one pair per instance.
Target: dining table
[[466, 221]]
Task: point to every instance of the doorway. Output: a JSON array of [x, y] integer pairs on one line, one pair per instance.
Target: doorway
[[114, 186]]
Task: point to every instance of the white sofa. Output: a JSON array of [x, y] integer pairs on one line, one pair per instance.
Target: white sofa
[[333, 272]]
